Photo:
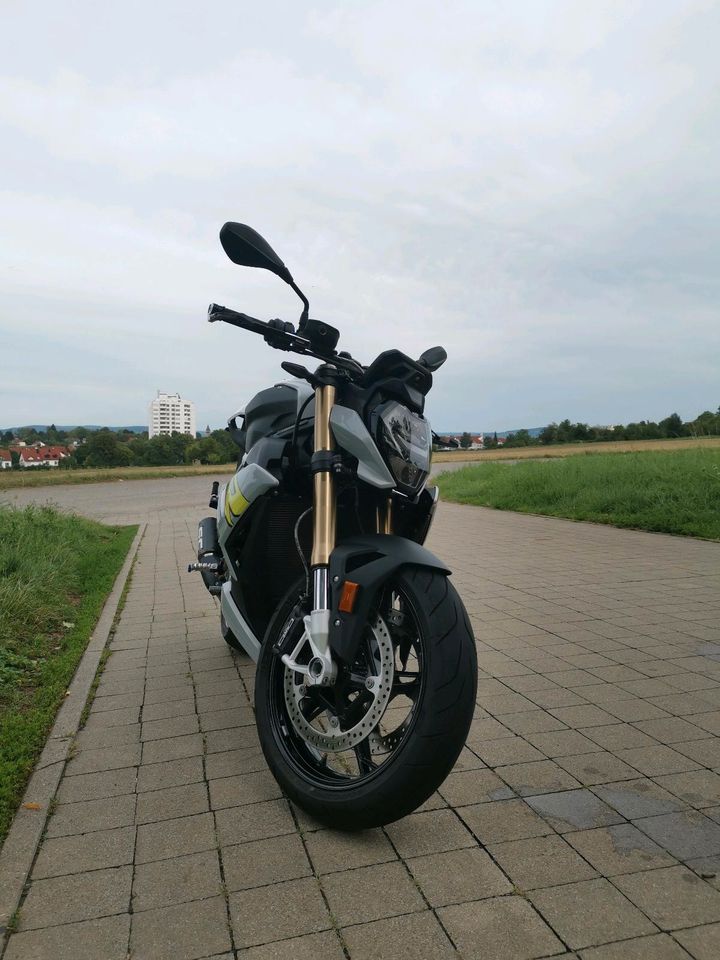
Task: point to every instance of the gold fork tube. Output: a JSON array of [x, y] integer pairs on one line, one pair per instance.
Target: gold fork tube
[[383, 516], [323, 483]]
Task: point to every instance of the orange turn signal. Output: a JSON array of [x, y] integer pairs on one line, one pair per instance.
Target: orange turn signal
[[348, 596]]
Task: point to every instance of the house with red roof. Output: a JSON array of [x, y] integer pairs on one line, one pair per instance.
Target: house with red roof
[[44, 456], [5, 459]]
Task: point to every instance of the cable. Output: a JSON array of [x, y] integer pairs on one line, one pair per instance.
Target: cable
[[300, 552]]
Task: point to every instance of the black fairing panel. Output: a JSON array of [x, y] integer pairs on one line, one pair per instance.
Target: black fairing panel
[[369, 560], [268, 411]]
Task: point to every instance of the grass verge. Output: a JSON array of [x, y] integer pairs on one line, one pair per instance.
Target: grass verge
[[550, 451], [40, 477], [677, 492], [55, 574]]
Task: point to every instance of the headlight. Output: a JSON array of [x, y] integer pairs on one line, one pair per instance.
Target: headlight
[[405, 441]]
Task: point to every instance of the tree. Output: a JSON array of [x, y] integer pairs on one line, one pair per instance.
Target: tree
[[673, 426], [465, 440], [521, 438], [549, 434], [104, 450]]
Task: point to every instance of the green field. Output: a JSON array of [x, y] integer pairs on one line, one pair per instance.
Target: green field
[[55, 573], [41, 477], [672, 492]]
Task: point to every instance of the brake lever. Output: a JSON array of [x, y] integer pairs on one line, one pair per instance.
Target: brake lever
[[302, 373]]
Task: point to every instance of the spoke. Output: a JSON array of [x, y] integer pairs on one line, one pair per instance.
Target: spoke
[[410, 690], [363, 757]]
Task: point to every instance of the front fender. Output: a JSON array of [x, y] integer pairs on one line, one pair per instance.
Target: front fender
[[369, 560]]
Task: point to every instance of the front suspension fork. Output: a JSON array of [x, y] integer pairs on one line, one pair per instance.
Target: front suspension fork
[[320, 670]]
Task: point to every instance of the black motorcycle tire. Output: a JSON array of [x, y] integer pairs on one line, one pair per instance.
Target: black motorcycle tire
[[431, 746]]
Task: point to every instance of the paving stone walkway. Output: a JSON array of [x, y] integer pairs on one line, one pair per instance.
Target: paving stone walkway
[[582, 820]]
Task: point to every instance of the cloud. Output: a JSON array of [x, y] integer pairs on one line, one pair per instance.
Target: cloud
[[535, 186]]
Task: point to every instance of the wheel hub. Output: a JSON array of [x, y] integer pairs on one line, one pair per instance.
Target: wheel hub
[[331, 738]]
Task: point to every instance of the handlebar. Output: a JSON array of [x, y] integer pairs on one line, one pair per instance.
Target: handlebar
[[216, 312], [282, 336]]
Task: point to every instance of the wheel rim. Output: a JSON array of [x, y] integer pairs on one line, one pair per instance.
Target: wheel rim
[[339, 736]]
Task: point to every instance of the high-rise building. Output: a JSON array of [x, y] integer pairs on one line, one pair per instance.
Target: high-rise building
[[169, 413]]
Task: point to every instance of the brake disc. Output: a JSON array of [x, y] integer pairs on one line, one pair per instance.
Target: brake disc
[[333, 739]]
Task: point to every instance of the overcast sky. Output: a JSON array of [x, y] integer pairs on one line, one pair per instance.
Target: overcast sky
[[535, 185]]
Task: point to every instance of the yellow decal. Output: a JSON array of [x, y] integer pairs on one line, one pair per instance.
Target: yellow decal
[[235, 503]]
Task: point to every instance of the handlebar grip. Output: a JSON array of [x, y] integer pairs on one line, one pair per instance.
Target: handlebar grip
[[216, 312]]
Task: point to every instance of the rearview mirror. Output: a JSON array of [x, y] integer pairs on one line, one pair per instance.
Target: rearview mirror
[[433, 358], [247, 248]]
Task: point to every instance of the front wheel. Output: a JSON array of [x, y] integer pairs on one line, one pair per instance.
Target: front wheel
[[374, 746]]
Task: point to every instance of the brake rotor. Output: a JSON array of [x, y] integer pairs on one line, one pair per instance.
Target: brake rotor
[[334, 739]]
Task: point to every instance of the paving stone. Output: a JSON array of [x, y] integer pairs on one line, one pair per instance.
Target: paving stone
[[231, 763], [503, 820], [703, 943], [249, 788], [315, 946], [177, 933], [540, 862], [107, 737], [532, 721], [563, 743], [432, 832], [499, 753], [106, 938], [172, 802], [370, 893], [684, 834], [71, 818], [635, 709], [655, 761], [618, 736], [261, 862], [102, 720], [672, 730], [658, 946], [168, 709], [638, 798], [170, 692], [582, 716], [96, 761], [173, 748], [92, 851], [672, 898], [592, 912], [498, 929], [284, 910], [236, 738], [254, 821], [95, 786], [698, 788], [473, 786], [172, 773], [706, 752], [178, 880], [541, 776], [619, 849], [574, 810], [418, 935], [592, 768], [174, 838], [82, 896], [458, 876], [174, 727], [331, 850]]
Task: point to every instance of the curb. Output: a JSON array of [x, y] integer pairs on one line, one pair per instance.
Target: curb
[[18, 852]]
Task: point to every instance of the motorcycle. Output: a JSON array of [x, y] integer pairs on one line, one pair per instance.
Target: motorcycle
[[366, 669]]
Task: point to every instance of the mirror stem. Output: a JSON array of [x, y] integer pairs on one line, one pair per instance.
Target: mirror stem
[[306, 308]]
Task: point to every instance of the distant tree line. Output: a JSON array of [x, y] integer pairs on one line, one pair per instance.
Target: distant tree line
[[123, 448], [706, 424]]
